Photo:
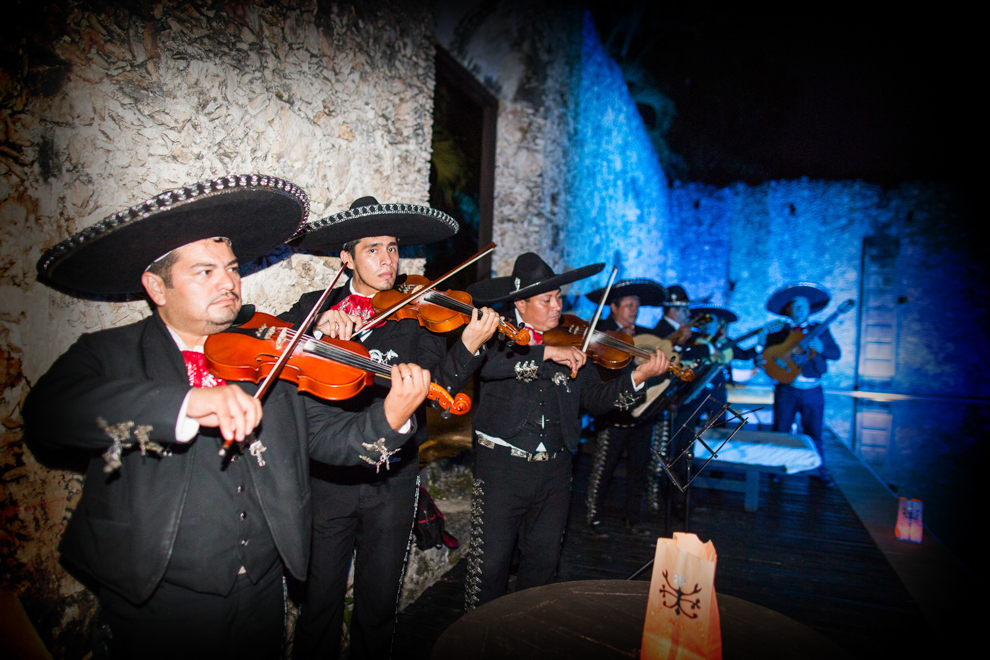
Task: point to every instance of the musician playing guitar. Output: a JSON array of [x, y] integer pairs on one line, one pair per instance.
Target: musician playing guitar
[[798, 301]]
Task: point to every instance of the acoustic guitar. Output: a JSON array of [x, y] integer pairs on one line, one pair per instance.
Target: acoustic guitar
[[783, 362]]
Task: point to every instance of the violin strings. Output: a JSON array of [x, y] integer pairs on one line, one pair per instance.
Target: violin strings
[[342, 356]]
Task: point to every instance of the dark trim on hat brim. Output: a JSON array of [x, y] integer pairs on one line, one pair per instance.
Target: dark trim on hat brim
[[650, 293], [409, 224], [817, 295], [257, 213], [723, 313], [502, 289]]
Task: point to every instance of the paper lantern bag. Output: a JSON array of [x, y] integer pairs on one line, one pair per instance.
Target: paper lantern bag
[[682, 614]]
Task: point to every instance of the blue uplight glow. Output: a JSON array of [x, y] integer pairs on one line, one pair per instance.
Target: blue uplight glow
[[619, 206]]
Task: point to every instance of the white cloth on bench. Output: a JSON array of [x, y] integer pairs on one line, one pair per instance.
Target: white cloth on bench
[[795, 453]]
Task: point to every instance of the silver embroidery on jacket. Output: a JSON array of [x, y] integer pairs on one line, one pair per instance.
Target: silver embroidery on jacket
[[658, 447], [120, 434], [560, 378], [383, 454], [626, 400], [526, 371]]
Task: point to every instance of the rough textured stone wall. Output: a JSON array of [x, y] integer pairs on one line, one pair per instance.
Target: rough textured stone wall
[[618, 201], [526, 53], [102, 106]]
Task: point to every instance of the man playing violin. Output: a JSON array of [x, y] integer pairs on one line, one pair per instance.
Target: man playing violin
[[356, 510], [185, 549], [527, 424], [619, 431]]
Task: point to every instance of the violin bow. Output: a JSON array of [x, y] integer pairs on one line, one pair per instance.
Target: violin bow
[[287, 353], [412, 297], [598, 312]]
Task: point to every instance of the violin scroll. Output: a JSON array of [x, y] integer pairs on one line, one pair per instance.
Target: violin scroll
[[457, 405]]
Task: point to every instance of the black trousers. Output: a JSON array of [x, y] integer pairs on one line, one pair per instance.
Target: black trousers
[[176, 622], [372, 521], [612, 441], [788, 401], [515, 500]]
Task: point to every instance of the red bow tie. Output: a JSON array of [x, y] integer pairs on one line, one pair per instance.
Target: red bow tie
[[199, 375], [356, 305], [535, 337]]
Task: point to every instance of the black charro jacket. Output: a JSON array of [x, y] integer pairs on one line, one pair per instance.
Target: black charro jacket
[[514, 379], [123, 531], [398, 342]]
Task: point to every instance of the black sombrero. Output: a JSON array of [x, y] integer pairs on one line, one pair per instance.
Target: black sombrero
[[817, 295], [408, 223], [676, 296], [531, 276], [650, 293], [257, 213], [721, 312]]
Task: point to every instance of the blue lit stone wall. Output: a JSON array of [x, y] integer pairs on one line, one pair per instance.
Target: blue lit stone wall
[[742, 242], [618, 207]]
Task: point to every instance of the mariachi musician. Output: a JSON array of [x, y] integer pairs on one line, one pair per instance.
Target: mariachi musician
[[711, 339], [357, 510], [185, 550], [798, 301], [618, 430], [527, 424]]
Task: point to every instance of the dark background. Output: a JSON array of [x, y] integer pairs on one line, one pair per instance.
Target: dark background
[[830, 91]]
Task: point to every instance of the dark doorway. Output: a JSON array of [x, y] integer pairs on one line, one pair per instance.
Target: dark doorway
[[462, 170]]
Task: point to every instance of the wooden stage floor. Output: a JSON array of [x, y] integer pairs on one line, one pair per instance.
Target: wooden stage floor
[[804, 553]]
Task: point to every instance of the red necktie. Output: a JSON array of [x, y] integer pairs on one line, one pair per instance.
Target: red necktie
[[199, 375]]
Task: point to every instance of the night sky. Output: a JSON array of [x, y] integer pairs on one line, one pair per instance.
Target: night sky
[[825, 91]]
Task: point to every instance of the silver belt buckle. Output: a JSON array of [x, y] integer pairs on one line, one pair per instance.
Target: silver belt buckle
[[517, 453], [539, 457], [485, 442]]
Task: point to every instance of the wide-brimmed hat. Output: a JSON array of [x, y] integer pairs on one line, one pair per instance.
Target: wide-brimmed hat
[[256, 213], [817, 295], [676, 296], [408, 223], [720, 312], [531, 276], [650, 293]]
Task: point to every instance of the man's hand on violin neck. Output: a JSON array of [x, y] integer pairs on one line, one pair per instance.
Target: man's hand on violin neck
[[335, 324], [483, 324], [410, 385], [655, 366], [569, 356], [228, 407]]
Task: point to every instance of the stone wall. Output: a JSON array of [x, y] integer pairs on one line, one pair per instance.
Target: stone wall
[[741, 242], [527, 54], [103, 106]]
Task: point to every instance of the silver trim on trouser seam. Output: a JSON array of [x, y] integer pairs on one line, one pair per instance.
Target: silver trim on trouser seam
[[658, 443], [472, 585], [597, 472]]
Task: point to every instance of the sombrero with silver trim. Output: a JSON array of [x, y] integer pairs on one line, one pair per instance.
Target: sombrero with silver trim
[[530, 277], [650, 293], [721, 312], [256, 213], [408, 223], [817, 295], [676, 296]]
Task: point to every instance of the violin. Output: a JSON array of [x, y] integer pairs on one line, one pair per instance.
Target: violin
[[330, 369], [610, 349], [438, 311]]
